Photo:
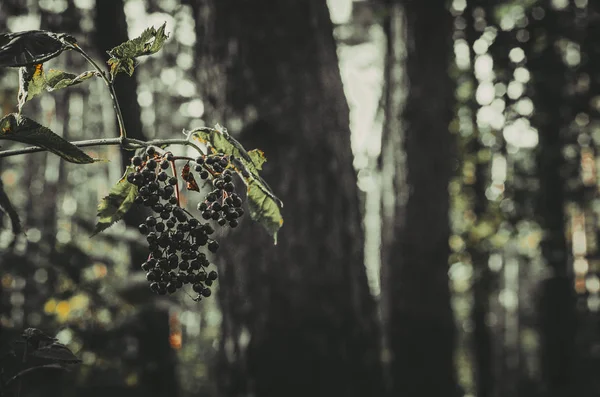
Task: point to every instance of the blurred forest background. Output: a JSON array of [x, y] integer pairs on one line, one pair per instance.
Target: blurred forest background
[[437, 161]]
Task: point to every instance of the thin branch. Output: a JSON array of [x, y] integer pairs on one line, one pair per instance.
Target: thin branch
[[34, 149], [127, 143]]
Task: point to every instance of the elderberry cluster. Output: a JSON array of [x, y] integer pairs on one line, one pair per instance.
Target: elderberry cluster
[[174, 236], [222, 204]]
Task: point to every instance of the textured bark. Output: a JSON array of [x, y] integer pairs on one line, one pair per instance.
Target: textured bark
[[304, 303], [421, 328]]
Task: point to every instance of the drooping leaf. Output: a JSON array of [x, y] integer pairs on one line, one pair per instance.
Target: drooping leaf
[[58, 79], [120, 198], [264, 209], [6, 206], [16, 127], [33, 81], [264, 206], [56, 352], [31, 47], [220, 141], [189, 179], [122, 57]]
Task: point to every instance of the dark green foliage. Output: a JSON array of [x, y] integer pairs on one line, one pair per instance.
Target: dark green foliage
[[16, 127], [31, 47]]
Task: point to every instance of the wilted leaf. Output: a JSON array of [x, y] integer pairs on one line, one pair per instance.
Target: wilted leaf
[[30, 83], [6, 206], [125, 65], [19, 128], [122, 56], [263, 204], [56, 352], [33, 81], [189, 179], [112, 207]]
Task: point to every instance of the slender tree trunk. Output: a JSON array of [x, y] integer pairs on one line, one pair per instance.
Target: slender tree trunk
[[298, 318], [482, 342], [553, 113], [157, 360], [421, 328], [111, 30]]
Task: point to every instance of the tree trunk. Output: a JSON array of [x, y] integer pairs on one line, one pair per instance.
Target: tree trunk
[[298, 318], [553, 114], [421, 328]]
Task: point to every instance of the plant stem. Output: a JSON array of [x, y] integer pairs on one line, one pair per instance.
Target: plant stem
[[34, 149], [111, 88], [130, 143]]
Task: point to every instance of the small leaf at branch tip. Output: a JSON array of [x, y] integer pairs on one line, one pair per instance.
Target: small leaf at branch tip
[[123, 56]]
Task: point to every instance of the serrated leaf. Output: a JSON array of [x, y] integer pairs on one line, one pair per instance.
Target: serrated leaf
[[33, 81], [149, 42], [264, 209], [16, 127], [125, 65], [263, 204], [114, 206]]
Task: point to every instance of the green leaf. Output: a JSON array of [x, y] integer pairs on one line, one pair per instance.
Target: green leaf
[[219, 139], [122, 56], [263, 204], [258, 158], [125, 65], [264, 209], [33, 81], [16, 127], [58, 79], [114, 206]]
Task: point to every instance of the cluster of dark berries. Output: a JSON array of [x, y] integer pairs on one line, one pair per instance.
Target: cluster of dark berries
[[222, 204], [174, 236]]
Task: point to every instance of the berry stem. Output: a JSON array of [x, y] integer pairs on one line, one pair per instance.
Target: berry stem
[[174, 169]]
